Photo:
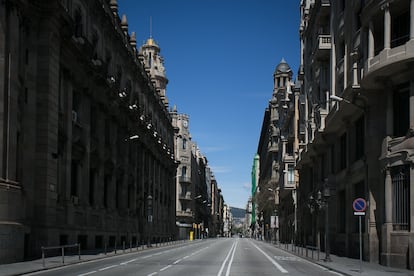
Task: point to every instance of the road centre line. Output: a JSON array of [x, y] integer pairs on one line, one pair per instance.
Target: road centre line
[[108, 267], [177, 261], [130, 261], [225, 260], [276, 264], [231, 259], [165, 268]]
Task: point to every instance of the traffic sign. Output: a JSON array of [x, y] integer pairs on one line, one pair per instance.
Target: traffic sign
[[359, 205]]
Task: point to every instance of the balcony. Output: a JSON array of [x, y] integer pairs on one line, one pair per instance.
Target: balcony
[[185, 196], [323, 46], [184, 214], [185, 179]]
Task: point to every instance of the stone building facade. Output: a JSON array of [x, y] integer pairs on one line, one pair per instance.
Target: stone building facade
[[86, 135], [277, 151], [198, 195], [357, 112]]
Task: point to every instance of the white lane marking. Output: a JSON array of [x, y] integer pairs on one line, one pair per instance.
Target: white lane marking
[[152, 274], [177, 261], [146, 257], [165, 268], [108, 267], [225, 260], [231, 259], [87, 273], [130, 261], [186, 257], [271, 260], [314, 264]]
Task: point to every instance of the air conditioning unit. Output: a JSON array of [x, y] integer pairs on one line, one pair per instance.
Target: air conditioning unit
[[74, 116]]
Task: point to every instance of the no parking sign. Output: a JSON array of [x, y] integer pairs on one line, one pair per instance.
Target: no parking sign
[[359, 205]]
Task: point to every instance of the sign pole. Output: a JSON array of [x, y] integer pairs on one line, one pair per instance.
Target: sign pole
[[360, 205], [360, 245]]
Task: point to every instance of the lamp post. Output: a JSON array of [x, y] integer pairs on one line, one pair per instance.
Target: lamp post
[[149, 218], [326, 195], [322, 202]]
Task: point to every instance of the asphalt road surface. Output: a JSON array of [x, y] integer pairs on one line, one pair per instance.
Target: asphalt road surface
[[216, 257]]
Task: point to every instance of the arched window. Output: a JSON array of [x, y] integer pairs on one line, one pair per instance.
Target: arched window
[[184, 171], [184, 143], [95, 44], [78, 18]]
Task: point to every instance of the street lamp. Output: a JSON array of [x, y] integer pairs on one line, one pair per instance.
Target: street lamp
[[340, 99], [322, 202], [149, 219]]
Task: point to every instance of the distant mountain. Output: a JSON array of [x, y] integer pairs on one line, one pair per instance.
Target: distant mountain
[[237, 212]]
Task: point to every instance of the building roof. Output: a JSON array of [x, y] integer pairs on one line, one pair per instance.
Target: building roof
[[282, 67]]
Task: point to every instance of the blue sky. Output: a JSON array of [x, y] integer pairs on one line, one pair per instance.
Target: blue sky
[[220, 56]]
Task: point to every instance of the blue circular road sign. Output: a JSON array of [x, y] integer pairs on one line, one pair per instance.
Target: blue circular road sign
[[359, 205]]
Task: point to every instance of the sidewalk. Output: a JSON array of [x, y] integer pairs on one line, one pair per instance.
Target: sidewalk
[[346, 266], [22, 268]]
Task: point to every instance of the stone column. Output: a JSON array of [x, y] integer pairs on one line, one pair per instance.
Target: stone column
[[387, 227], [411, 104], [371, 42], [412, 20], [388, 197], [387, 26]]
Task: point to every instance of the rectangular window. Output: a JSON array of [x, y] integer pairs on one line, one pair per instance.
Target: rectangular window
[[401, 110], [343, 161], [359, 138], [400, 177], [291, 175], [400, 29], [184, 171], [118, 191], [333, 159], [92, 177], [74, 179], [98, 241], [341, 212], [105, 191]]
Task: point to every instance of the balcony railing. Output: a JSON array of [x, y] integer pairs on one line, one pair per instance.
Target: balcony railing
[[184, 213], [186, 196], [185, 179]]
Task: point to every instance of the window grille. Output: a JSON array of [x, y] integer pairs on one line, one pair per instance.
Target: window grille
[[401, 198]]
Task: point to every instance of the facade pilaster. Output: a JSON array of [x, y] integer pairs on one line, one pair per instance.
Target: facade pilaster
[[387, 26], [371, 41], [387, 227], [412, 20]]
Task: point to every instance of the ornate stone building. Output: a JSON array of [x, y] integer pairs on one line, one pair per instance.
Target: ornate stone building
[[357, 71], [198, 197], [87, 141], [277, 150]]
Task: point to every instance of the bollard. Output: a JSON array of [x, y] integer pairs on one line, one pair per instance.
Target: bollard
[[115, 247], [79, 251], [105, 248], [63, 255], [123, 246]]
